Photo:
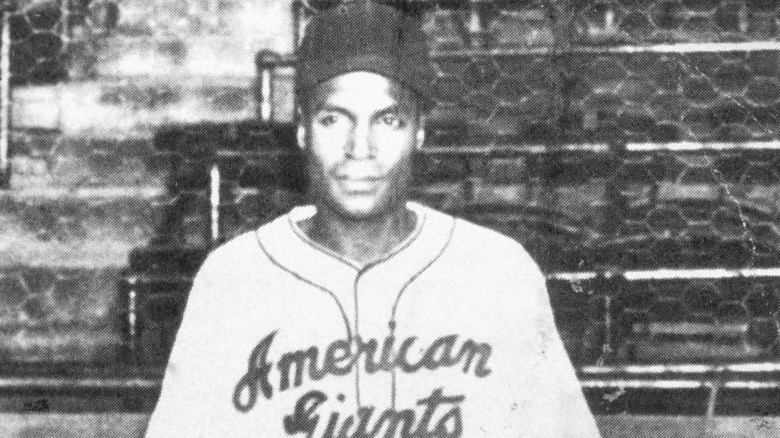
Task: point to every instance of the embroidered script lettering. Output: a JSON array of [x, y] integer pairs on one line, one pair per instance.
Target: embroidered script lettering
[[342, 356], [404, 423]]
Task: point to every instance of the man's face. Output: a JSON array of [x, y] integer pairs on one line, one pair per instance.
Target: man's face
[[360, 131]]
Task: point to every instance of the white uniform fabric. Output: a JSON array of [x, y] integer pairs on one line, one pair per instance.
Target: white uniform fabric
[[450, 335]]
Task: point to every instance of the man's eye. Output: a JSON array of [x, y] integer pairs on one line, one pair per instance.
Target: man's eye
[[393, 121], [328, 120]]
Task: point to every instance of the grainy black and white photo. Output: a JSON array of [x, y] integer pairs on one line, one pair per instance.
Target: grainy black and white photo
[[389, 218]]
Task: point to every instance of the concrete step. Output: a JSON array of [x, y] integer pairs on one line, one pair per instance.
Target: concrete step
[[82, 228]]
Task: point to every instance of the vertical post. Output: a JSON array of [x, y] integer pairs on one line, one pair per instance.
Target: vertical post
[[712, 402], [562, 23], [214, 201], [266, 94], [265, 64], [132, 319], [299, 11], [296, 23], [609, 347], [5, 95], [65, 18]]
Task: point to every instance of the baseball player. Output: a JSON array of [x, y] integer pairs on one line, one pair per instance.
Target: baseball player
[[364, 314]]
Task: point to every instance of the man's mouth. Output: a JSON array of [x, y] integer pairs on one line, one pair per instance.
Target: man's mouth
[[359, 184]]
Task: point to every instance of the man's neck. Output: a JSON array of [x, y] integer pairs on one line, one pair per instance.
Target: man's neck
[[364, 241]]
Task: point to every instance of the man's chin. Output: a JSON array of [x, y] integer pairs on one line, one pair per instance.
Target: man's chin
[[361, 209]]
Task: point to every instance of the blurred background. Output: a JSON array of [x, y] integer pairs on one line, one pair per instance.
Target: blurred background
[[631, 145]]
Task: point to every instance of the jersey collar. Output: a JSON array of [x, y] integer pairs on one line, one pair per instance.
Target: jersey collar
[[289, 248]]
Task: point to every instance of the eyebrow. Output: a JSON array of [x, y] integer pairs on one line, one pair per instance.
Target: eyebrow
[[395, 108], [326, 106]]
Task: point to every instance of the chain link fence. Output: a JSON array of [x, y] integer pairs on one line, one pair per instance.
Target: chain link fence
[[631, 146]]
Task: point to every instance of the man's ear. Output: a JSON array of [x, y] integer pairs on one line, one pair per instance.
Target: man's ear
[[420, 134], [300, 133]]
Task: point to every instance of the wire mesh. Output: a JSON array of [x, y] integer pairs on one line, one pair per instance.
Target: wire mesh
[[623, 137]]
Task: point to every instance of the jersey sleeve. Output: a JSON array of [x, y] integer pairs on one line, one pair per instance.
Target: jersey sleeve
[[183, 403], [534, 390], [558, 396]]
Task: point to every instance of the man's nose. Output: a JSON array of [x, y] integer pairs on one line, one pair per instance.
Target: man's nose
[[361, 144]]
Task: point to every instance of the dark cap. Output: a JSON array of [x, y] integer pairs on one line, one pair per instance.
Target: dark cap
[[365, 36]]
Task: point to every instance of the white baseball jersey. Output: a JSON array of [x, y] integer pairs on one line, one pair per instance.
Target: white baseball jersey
[[451, 334]]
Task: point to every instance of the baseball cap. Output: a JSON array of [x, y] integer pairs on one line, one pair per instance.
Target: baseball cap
[[365, 36]]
